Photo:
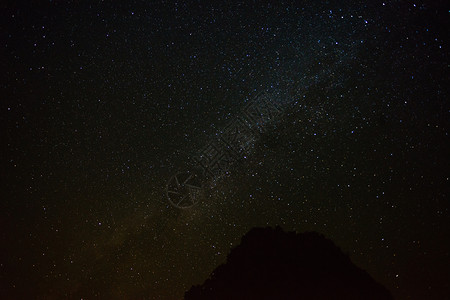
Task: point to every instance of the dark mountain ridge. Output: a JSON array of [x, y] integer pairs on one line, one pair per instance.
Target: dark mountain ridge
[[273, 264]]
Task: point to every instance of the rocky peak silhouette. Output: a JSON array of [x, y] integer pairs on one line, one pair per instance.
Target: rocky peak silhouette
[[273, 264]]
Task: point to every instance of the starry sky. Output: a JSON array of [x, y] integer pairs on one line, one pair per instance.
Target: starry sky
[[102, 103]]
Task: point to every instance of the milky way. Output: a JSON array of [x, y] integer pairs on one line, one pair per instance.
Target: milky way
[[330, 117]]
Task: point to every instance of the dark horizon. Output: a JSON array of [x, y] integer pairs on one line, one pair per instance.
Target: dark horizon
[[270, 263]]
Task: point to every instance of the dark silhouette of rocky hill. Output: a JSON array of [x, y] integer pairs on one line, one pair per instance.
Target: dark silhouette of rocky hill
[[274, 264]]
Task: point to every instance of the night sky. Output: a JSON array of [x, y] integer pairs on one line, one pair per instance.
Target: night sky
[[102, 104]]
